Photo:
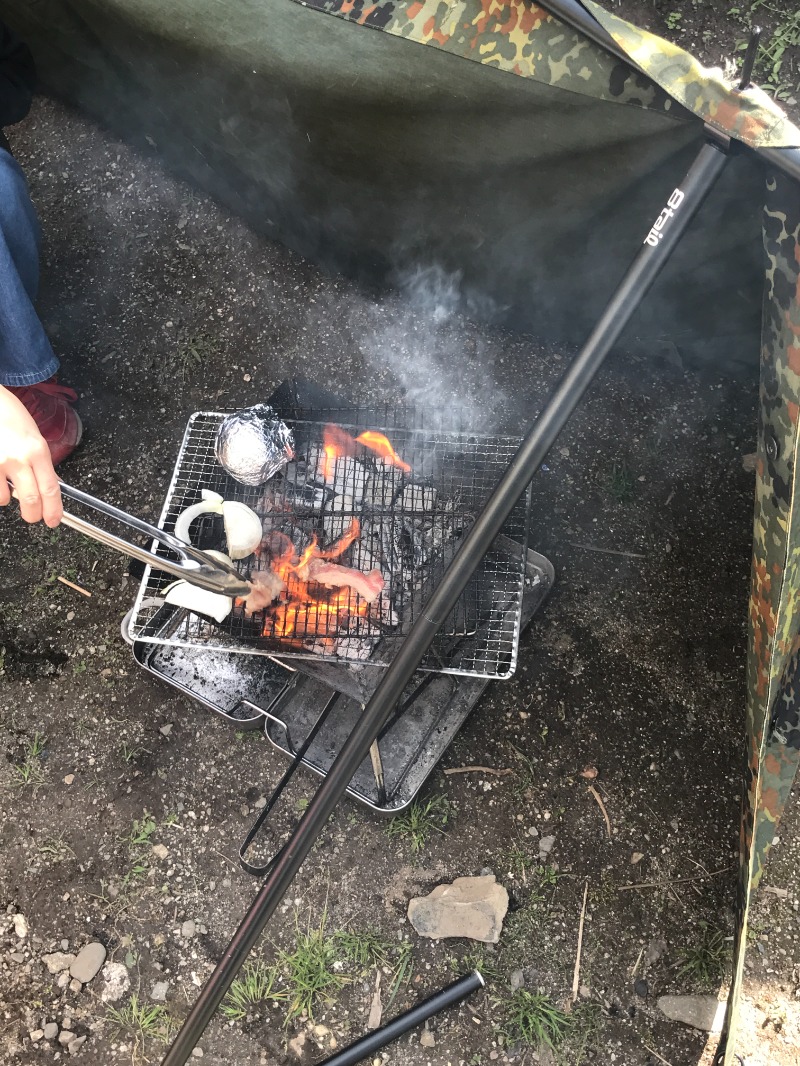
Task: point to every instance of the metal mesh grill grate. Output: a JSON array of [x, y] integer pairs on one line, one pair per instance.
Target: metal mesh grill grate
[[411, 524]]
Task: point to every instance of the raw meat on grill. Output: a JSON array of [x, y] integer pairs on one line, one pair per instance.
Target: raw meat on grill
[[267, 587], [332, 575]]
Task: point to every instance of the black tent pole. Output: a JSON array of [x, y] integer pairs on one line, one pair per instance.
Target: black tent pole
[[658, 244]]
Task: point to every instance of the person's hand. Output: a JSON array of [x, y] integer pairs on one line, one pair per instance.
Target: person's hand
[[25, 462]]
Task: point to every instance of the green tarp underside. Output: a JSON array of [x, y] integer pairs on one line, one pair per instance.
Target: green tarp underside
[[368, 154]]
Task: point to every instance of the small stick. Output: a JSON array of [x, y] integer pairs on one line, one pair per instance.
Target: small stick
[[71, 585], [674, 881], [659, 1057], [576, 977], [478, 770], [636, 964], [602, 807], [607, 551]]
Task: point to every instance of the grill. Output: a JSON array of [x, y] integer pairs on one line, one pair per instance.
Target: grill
[[411, 524]]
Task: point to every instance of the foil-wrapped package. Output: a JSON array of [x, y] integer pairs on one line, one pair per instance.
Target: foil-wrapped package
[[253, 444]]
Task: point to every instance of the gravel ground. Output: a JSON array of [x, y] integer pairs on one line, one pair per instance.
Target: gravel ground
[[125, 802]]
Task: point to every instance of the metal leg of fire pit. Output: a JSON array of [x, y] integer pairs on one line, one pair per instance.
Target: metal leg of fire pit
[[660, 241]]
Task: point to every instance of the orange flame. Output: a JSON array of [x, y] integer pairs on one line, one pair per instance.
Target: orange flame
[[308, 608], [337, 443], [379, 444]]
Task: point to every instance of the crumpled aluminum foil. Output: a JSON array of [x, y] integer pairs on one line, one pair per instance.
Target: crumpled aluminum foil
[[253, 444]]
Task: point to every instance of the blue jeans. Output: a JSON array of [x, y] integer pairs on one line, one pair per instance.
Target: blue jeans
[[25, 353]]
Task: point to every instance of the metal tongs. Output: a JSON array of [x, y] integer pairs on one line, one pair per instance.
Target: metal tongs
[[195, 566]]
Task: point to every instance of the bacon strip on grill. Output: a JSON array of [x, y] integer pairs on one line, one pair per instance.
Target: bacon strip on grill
[[332, 575]]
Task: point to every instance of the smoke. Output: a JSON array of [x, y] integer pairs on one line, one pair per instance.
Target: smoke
[[422, 333]]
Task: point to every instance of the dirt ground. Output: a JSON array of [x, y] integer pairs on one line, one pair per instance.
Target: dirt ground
[[125, 802]]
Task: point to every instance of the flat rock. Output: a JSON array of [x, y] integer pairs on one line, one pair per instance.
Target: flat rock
[[74, 1046], [88, 962], [58, 961], [36, 1035], [471, 907], [188, 929], [701, 1012], [117, 982], [50, 1031], [158, 993], [16, 956]]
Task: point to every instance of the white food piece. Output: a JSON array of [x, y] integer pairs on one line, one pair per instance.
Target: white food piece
[[242, 529], [242, 525], [200, 601], [210, 504]]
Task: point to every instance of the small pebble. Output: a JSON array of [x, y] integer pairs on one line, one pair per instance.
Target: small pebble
[[517, 980], [74, 1046], [63, 979], [197, 1053], [65, 1037], [166, 729], [188, 929], [36, 1035], [75, 986], [160, 851], [641, 988], [426, 1038], [20, 926], [158, 993], [88, 962], [69, 779], [50, 1031]]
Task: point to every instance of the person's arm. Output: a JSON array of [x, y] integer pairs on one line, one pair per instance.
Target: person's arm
[[17, 77], [25, 461]]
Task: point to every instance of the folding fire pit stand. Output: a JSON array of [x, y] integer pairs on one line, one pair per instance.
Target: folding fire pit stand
[[680, 207]]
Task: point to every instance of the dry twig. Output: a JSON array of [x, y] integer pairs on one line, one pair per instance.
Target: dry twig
[[636, 964], [602, 807], [478, 770], [607, 551], [673, 881], [72, 585], [659, 1057], [576, 977]]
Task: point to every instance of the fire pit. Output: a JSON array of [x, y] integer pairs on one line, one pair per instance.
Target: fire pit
[[305, 688]]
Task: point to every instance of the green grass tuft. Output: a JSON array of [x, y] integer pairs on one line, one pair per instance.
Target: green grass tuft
[[704, 962], [420, 821], [255, 985], [532, 1019]]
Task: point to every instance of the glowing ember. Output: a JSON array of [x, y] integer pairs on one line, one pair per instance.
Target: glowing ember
[[337, 444]]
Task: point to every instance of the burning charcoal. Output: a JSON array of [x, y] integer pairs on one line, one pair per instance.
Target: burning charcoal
[[383, 485], [349, 475], [418, 498], [304, 498], [253, 444], [415, 543], [338, 517], [355, 647]]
